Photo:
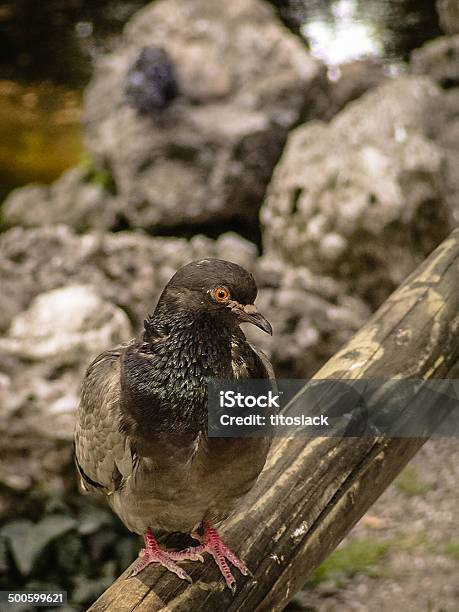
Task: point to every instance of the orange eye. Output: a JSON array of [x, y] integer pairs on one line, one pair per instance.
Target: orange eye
[[220, 294]]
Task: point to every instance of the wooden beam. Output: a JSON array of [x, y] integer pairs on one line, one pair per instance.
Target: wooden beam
[[313, 491]]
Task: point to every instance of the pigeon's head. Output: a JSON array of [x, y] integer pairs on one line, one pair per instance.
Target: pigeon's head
[[216, 288]]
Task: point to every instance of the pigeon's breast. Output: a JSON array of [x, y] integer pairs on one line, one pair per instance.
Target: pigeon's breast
[[183, 484]]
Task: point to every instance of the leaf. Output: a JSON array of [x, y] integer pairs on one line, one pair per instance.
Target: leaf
[[93, 520], [28, 540]]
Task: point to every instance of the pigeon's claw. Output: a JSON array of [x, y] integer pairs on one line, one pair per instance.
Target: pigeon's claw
[[212, 543], [152, 553], [147, 556]]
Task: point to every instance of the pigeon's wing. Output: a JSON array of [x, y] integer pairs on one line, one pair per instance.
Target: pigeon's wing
[[103, 454]]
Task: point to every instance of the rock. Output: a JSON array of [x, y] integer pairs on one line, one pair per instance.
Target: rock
[[312, 316], [46, 351], [67, 325], [127, 269], [448, 12], [364, 198], [44, 355], [77, 199], [243, 81], [348, 82], [439, 59]]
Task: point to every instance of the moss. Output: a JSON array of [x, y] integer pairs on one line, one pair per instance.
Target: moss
[[452, 549], [409, 483], [412, 543], [364, 556], [420, 543], [95, 174], [359, 556]]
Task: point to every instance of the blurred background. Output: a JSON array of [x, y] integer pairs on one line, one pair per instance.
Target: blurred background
[[314, 142]]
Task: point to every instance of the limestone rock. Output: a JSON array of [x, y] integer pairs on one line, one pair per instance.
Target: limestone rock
[[243, 80], [76, 199], [66, 325], [312, 316], [439, 59], [363, 198], [128, 269]]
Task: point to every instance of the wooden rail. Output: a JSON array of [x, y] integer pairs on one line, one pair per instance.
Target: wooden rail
[[313, 491]]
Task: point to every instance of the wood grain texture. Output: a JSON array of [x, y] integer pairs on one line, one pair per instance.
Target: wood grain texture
[[313, 491]]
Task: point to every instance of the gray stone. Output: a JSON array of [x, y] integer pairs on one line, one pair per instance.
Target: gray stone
[[312, 316], [439, 59], [151, 84], [67, 325], [43, 355], [49, 345], [128, 269], [75, 199], [243, 81], [349, 81], [364, 198]]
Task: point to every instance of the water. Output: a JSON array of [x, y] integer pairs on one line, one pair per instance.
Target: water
[[343, 30], [40, 133], [47, 50]]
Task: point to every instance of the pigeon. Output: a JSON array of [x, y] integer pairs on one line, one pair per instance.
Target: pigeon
[[141, 433]]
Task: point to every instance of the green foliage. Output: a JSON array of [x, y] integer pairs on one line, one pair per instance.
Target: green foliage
[[409, 483], [364, 556], [414, 542], [452, 549], [359, 556], [79, 551], [27, 540], [97, 175]]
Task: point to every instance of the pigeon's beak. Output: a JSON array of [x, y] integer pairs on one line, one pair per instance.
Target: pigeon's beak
[[250, 314]]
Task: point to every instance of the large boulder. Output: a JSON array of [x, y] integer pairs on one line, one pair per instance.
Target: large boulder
[[439, 59], [190, 113], [128, 269], [364, 198]]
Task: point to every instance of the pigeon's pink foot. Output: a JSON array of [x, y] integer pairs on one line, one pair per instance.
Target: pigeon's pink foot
[[152, 553], [213, 544]]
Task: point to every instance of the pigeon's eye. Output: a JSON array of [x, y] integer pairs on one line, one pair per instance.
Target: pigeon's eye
[[220, 294]]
